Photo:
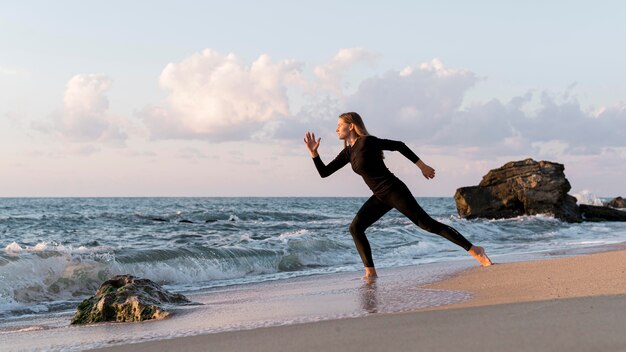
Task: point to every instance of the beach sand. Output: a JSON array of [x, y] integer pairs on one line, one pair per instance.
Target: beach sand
[[565, 304]]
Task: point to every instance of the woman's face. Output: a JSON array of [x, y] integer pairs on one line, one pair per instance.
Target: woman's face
[[343, 129]]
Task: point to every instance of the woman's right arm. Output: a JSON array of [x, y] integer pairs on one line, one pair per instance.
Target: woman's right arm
[[324, 170]]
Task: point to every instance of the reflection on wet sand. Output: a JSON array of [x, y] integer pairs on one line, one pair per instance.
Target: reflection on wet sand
[[368, 296]]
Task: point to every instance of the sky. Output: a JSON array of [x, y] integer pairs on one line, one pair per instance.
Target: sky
[[187, 98]]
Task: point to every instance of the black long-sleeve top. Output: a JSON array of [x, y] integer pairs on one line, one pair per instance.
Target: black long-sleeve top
[[366, 158]]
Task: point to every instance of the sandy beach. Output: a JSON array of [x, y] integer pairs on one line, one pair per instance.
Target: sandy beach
[[573, 303]]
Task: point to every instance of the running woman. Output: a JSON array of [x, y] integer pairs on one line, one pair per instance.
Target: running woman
[[365, 153]]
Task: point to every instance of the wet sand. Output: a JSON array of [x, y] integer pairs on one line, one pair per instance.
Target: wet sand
[[574, 303], [598, 274]]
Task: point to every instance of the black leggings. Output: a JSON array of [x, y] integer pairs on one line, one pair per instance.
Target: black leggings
[[400, 198]]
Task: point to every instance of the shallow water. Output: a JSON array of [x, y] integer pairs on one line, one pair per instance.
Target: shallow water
[[263, 304]]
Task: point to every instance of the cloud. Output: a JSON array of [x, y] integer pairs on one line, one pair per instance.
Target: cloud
[[318, 114], [550, 128], [220, 97], [414, 102], [85, 115], [564, 127], [569, 121], [330, 74], [425, 104]]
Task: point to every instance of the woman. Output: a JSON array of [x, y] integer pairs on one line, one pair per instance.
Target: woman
[[365, 154]]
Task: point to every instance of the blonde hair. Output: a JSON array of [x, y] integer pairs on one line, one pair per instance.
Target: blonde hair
[[359, 126], [357, 121]]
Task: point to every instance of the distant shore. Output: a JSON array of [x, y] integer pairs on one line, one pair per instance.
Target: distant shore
[[573, 303]]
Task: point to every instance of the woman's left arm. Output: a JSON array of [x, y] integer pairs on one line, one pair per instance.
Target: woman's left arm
[[388, 144]]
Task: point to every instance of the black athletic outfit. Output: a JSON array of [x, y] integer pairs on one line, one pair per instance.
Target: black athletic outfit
[[366, 159]]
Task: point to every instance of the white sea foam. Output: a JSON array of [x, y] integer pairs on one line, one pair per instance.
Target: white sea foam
[[13, 248], [34, 278], [25, 329], [58, 273], [526, 218], [587, 197], [41, 246], [293, 234]]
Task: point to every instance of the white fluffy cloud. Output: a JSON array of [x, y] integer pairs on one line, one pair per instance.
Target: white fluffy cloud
[[85, 115], [219, 96]]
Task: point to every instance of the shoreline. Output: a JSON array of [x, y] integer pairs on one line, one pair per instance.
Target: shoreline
[[560, 303], [250, 306]]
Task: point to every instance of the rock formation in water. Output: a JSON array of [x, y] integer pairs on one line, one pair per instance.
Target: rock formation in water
[[601, 213], [124, 298], [528, 187], [618, 202], [524, 187]]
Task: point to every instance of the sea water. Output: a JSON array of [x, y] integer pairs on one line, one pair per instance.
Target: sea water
[[55, 252]]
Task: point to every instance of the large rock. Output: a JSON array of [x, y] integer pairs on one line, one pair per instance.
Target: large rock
[[597, 213], [124, 298], [618, 202], [524, 187]]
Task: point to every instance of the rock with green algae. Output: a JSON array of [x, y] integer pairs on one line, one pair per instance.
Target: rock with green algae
[[125, 298]]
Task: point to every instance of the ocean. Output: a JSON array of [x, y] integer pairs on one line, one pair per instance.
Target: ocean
[[55, 252]]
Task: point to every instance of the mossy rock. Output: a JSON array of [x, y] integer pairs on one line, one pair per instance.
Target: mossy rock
[[125, 298]]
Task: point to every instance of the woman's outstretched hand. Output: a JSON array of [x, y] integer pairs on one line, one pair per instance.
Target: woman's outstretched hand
[[311, 143], [427, 171]]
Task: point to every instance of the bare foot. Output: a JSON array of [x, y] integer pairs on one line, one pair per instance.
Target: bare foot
[[369, 281], [479, 254], [370, 274]]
